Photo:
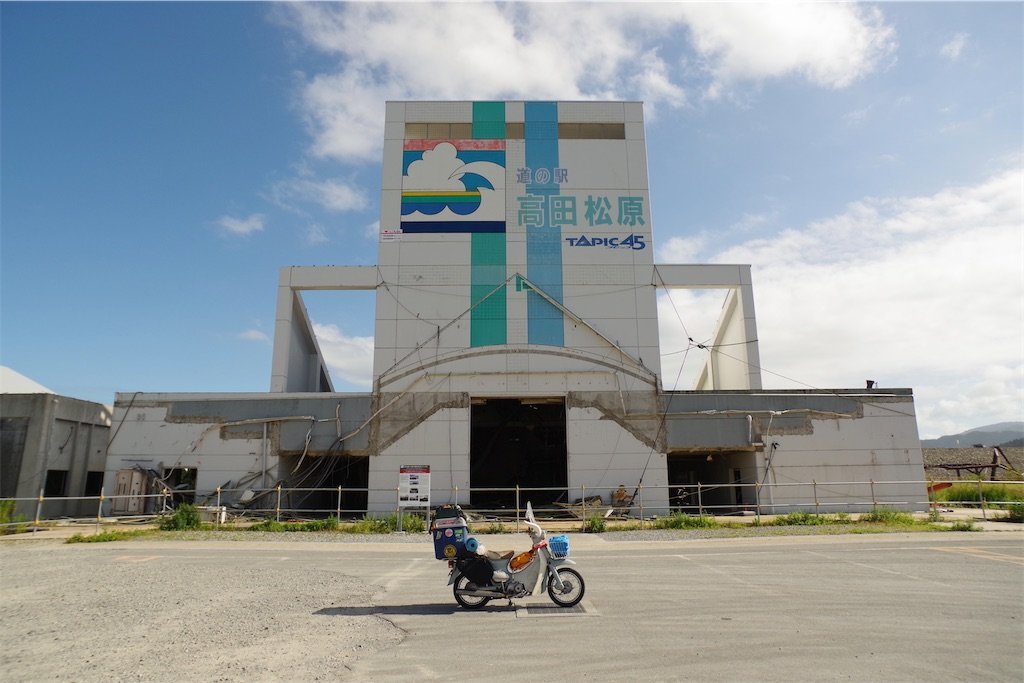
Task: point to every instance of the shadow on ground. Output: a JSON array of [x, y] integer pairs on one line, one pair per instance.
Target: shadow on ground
[[385, 610]]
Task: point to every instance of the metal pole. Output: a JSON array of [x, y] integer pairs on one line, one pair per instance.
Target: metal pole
[[99, 511], [456, 494], [640, 495], [398, 509], [757, 502], [874, 503], [39, 510], [278, 509], [700, 500], [981, 500], [339, 505], [517, 508], [583, 489], [216, 512], [815, 484]]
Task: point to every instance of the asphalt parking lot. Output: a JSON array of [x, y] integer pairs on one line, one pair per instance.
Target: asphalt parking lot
[[893, 607]]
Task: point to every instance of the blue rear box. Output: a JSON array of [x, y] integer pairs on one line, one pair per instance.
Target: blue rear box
[[449, 537]]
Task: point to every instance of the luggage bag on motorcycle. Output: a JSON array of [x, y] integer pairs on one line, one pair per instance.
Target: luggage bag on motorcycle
[[477, 569]]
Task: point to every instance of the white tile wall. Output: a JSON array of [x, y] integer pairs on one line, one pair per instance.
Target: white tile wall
[[439, 112], [596, 112]]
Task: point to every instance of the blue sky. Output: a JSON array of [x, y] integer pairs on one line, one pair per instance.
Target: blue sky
[[162, 161]]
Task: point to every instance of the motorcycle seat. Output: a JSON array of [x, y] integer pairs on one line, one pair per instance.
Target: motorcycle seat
[[499, 554]]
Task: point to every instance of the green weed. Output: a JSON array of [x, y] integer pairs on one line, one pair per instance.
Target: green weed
[[329, 524], [801, 519], [9, 522], [966, 525], [185, 516], [1014, 513], [680, 520], [595, 525], [414, 524], [106, 536], [886, 515], [972, 493]]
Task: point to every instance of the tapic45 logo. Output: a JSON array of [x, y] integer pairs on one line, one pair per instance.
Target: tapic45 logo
[[631, 241]]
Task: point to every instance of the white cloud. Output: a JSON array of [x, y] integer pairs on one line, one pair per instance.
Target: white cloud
[[372, 231], [955, 47], [241, 226], [463, 51], [857, 116], [350, 358], [254, 335], [332, 195], [829, 44], [921, 292], [682, 249], [315, 234]]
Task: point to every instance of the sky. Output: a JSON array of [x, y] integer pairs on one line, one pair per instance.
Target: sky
[[160, 162]]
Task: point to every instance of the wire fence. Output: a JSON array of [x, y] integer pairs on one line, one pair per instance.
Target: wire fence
[[582, 502]]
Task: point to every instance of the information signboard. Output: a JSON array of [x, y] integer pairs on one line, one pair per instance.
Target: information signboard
[[414, 486]]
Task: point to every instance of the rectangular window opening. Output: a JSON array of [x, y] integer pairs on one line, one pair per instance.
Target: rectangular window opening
[[93, 483], [56, 483]]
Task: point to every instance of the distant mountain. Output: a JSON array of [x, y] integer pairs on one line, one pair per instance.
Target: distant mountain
[[991, 435]]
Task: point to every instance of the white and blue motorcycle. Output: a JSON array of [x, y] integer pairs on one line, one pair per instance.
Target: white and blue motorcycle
[[479, 575]]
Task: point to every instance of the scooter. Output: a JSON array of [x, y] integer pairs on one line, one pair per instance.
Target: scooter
[[479, 575]]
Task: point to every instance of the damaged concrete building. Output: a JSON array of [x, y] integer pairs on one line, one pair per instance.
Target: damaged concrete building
[[517, 345]]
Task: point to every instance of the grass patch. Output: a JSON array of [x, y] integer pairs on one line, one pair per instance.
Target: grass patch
[[595, 525], [185, 516], [367, 525], [809, 519], [9, 522], [413, 524], [886, 515], [107, 536], [329, 524], [966, 525], [801, 519], [971, 493], [1014, 513], [681, 520]]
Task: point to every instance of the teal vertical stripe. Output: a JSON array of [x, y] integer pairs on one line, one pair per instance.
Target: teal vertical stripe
[[488, 321], [543, 242]]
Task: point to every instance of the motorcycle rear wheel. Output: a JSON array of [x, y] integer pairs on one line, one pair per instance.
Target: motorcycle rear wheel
[[572, 588], [467, 601]]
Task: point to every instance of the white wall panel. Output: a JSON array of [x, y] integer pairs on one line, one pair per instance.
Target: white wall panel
[[439, 112], [599, 112]]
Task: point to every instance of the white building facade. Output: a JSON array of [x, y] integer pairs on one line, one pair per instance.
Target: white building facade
[[517, 346]]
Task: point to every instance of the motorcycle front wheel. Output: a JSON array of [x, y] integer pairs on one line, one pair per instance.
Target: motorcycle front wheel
[[467, 601], [572, 588]]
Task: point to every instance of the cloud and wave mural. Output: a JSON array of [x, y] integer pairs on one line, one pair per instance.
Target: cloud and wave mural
[[453, 186]]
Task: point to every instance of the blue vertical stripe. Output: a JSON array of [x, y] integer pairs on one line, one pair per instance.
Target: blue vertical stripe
[[543, 242]]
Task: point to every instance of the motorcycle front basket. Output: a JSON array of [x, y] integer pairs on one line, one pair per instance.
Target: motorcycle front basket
[[559, 547]]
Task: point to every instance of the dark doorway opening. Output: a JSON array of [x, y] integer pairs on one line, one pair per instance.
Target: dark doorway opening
[[517, 442], [181, 481], [726, 480], [327, 472]]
